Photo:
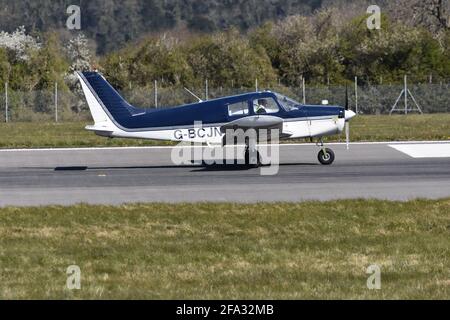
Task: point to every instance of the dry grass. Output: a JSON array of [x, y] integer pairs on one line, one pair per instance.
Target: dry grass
[[227, 251]]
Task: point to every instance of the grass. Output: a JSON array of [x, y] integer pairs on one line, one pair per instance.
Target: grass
[[59, 135], [401, 128], [228, 251], [364, 128]]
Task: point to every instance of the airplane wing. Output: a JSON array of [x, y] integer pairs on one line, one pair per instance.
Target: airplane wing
[[257, 122], [254, 122]]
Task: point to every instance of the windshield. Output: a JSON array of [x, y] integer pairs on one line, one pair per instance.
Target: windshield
[[287, 103]]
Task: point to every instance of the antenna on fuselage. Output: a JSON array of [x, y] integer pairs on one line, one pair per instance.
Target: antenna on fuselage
[[193, 94]]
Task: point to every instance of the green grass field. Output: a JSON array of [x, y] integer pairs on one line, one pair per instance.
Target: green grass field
[[364, 128], [226, 251]]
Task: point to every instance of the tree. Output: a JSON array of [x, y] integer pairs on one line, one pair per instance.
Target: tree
[[225, 59], [5, 68], [228, 58], [309, 49], [113, 23], [18, 51], [79, 56], [18, 44], [80, 59], [434, 14], [51, 65]]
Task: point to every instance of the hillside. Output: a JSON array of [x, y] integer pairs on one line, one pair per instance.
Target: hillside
[[111, 23]]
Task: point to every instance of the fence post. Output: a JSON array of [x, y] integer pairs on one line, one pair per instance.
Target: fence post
[[206, 90], [56, 101], [356, 95], [406, 95], [6, 102], [256, 84], [304, 90], [156, 94]]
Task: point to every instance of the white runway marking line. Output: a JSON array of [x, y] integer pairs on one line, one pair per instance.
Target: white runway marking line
[[391, 144], [421, 151]]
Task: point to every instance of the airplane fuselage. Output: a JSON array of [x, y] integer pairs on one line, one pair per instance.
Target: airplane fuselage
[[298, 129], [210, 121]]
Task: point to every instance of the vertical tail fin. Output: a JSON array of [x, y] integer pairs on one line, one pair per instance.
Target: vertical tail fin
[[107, 106], [98, 113]]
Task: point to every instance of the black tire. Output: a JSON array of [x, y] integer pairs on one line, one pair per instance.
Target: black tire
[[248, 162], [206, 164], [326, 159]]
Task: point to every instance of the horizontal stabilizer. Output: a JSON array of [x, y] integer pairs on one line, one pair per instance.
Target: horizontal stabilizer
[[101, 131]]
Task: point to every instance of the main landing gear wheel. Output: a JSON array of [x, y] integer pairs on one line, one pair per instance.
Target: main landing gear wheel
[[252, 161], [326, 157]]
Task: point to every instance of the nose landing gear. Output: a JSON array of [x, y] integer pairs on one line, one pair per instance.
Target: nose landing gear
[[326, 156]]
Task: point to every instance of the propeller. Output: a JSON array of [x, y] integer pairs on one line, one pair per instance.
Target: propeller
[[347, 123], [349, 114], [347, 134]]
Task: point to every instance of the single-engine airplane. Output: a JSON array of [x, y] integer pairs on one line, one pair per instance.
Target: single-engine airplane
[[116, 118]]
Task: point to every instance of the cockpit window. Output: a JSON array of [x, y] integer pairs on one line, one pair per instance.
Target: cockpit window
[[238, 109], [265, 106], [287, 103]]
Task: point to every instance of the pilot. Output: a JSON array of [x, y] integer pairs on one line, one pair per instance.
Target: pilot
[[261, 106]]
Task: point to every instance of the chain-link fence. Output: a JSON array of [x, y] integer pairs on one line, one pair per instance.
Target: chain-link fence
[[380, 99], [42, 106], [71, 106]]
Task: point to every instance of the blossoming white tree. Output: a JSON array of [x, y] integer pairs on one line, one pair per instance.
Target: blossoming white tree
[[19, 44], [79, 54]]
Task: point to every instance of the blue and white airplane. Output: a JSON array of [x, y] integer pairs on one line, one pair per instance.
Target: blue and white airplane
[[116, 118]]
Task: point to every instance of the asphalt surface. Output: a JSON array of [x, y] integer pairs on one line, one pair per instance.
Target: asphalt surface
[[117, 176]]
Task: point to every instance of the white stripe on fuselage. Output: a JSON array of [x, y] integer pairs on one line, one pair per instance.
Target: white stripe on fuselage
[[297, 129]]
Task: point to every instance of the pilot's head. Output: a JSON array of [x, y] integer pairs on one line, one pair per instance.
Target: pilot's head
[[262, 102]]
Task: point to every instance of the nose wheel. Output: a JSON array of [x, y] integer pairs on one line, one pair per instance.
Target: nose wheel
[[326, 156]]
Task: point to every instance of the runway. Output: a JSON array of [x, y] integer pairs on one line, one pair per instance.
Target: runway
[[127, 175]]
